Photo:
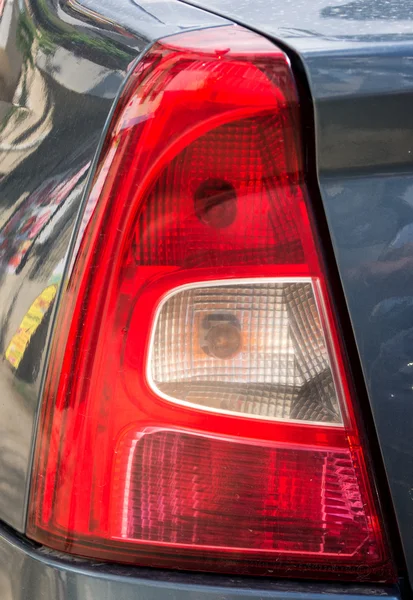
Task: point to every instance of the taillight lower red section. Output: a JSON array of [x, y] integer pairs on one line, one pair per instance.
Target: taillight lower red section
[[197, 412], [225, 493]]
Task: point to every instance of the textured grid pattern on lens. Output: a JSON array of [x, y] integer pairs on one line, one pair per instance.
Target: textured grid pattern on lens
[[281, 369], [316, 401], [267, 352], [190, 489], [306, 331], [254, 399], [249, 156]]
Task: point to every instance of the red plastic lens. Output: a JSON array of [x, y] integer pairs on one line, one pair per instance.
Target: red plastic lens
[[222, 493], [196, 412]]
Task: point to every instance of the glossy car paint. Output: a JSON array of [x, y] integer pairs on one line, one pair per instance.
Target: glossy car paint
[[71, 58]]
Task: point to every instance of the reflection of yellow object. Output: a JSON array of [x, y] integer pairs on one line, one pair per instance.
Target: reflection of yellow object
[[28, 326]]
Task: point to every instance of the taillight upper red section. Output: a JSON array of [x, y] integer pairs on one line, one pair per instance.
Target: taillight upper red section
[[201, 184]]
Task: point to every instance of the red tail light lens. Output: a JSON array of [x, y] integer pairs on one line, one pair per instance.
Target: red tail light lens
[[196, 412]]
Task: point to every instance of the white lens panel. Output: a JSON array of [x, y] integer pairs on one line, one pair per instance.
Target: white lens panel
[[255, 348]]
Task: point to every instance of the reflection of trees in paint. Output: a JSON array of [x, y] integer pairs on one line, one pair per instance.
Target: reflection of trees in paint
[[29, 222], [25, 37], [52, 32]]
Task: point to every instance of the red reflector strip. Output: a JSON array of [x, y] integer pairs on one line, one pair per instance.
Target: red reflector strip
[[187, 489]]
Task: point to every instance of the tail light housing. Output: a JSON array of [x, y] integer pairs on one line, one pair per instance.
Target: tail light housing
[[197, 411]]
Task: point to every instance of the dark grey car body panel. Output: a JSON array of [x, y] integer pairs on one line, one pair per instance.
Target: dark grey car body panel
[[71, 62], [28, 574]]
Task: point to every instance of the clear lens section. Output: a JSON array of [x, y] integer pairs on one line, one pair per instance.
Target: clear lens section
[[251, 348]]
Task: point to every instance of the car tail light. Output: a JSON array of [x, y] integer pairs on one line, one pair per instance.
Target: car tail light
[[197, 412]]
